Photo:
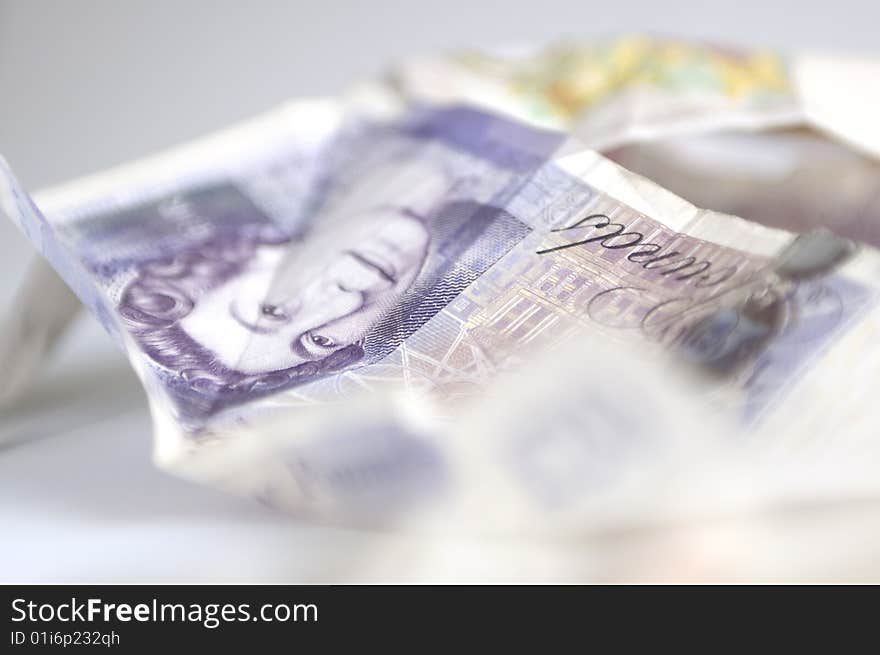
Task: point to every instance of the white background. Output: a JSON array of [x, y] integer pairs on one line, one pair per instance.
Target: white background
[[85, 85]]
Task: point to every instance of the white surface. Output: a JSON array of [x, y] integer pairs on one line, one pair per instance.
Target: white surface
[[82, 502], [87, 85]]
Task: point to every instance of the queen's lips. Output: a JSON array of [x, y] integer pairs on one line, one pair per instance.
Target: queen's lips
[[373, 261]]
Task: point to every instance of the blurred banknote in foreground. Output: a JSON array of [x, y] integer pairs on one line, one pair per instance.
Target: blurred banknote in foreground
[[444, 311]]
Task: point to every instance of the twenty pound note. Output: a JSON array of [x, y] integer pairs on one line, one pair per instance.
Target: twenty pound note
[[268, 282]]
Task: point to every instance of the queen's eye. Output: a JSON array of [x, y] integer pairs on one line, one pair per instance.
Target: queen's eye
[[321, 341], [273, 311]]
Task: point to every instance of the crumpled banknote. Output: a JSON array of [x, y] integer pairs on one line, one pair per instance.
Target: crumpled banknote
[[431, 302], [623, 90]]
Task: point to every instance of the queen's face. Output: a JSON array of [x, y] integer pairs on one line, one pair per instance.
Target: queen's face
[[259, 322]]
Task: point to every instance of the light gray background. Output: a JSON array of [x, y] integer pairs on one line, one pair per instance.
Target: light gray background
[[85, 85]]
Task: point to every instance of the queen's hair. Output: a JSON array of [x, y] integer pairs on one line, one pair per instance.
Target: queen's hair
[[166, 290]]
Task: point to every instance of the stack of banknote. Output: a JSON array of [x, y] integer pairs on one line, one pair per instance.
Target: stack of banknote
[[554, 293]]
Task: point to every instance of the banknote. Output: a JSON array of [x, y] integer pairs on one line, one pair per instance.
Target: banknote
[[634, 88], [267, 280], [614, 90], [239, 287], [796, 180]]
